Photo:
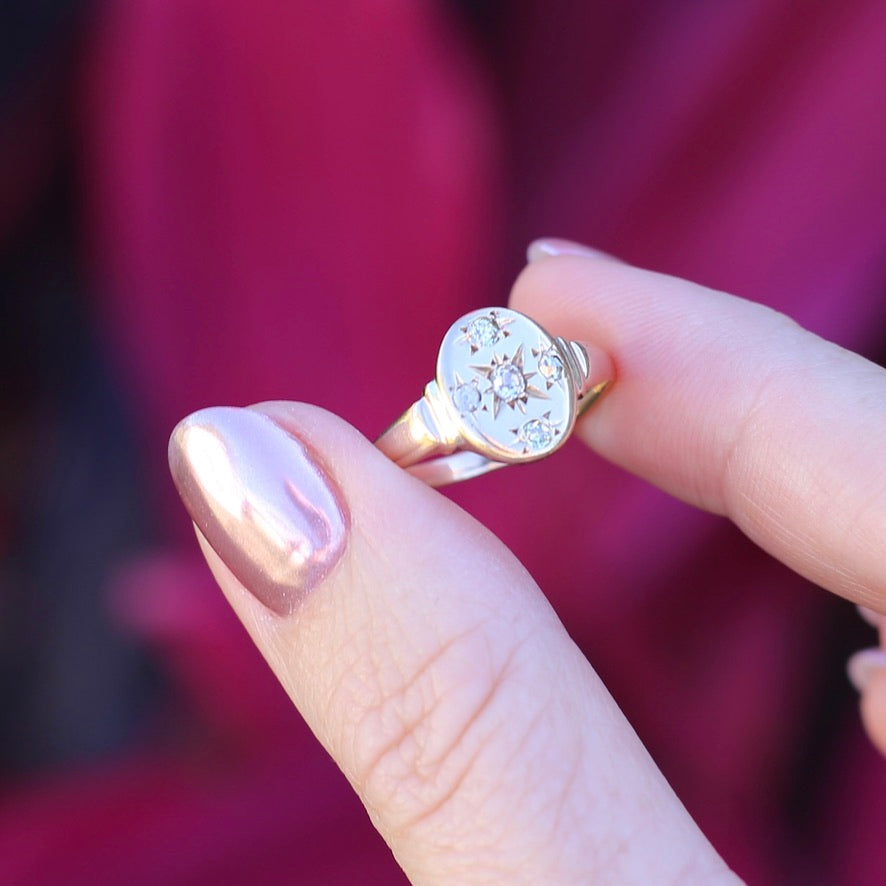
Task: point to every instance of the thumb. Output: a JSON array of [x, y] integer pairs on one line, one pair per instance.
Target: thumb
[[426, 660]]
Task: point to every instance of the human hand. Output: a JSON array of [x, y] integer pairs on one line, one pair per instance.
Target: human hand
[[428, 662]]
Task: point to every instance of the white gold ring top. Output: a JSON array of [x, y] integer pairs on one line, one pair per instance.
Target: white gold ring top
[[506, 392]]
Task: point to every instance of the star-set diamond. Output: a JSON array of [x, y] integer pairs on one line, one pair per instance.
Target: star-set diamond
[[508, 382], [482, 332], [537, 433], [467, 398], [485, 331], [550, 366]]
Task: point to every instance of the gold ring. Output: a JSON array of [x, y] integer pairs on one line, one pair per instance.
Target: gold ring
[[506, 392]]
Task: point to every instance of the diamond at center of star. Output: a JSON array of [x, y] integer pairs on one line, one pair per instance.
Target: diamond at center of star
[[508, 382]]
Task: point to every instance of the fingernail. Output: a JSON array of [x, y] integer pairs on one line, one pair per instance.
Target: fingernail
[[864, 666], [551, 246], [874, 619], [261, 500]]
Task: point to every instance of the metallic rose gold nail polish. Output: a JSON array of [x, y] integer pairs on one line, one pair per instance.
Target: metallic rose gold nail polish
[[261, 500]]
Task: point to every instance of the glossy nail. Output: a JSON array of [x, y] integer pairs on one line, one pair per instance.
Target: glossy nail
[[874, 619], [864, 666], [261, 500], [551, 246]]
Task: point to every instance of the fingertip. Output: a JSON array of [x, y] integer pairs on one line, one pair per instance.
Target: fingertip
[[586, 295], [729, 406], [263, 499], [864, 666], [556, 292], [549, 247], [873, 709], [874, 619]]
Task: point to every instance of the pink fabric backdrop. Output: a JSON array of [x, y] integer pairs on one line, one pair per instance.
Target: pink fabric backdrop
[[293, 200]]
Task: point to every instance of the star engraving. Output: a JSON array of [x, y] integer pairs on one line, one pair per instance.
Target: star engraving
[[550, 363], [537, 434], [508, 383], [484, 331], [466, 396]]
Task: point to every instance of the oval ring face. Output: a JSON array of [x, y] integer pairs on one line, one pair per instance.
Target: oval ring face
[[509, 384]]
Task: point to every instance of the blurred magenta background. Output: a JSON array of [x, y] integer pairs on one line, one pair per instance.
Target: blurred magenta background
[[210, 201]]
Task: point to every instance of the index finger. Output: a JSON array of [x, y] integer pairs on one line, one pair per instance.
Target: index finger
[[734, 408]]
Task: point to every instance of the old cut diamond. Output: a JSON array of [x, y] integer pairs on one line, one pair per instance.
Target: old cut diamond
[[508, 382], [483, 332], [550, 366], [466, 398], [537, 434]]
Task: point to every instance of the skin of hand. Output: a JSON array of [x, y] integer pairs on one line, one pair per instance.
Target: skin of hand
[[425, 658]]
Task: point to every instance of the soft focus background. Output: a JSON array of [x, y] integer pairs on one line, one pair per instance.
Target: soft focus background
[[212, 201]]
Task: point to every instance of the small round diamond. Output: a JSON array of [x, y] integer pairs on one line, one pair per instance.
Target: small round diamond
[[550, 366], [537, 434], [483, 332], [508, 383], [466, 398]]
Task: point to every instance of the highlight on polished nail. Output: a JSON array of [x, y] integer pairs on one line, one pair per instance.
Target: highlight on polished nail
[[261, 500]]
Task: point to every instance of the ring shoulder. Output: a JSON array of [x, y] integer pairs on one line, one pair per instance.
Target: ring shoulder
[[436, 415], [577, 360]]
